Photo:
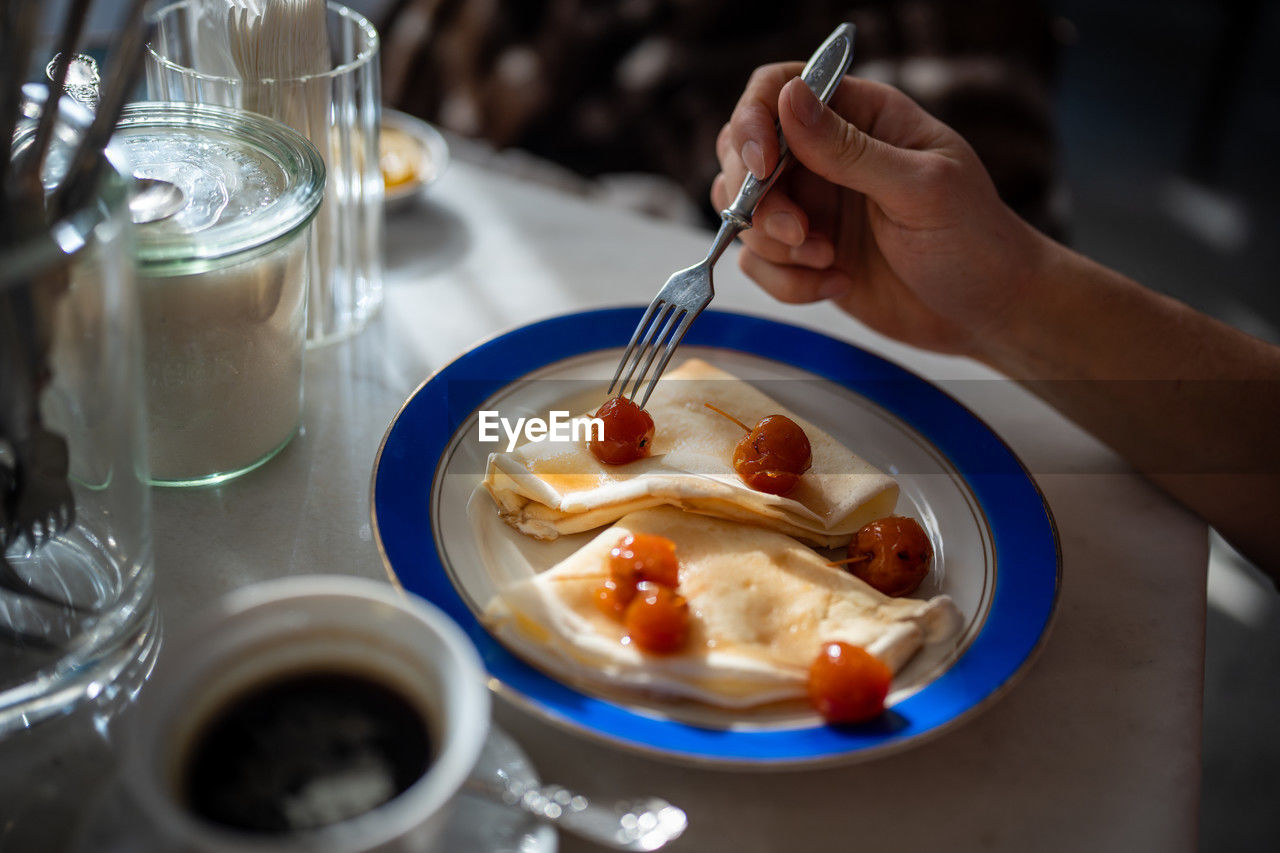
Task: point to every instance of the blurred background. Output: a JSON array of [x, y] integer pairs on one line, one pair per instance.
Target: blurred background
[[1143, 133]]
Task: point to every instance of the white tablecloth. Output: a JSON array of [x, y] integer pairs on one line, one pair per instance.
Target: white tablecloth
[[1096, 748]]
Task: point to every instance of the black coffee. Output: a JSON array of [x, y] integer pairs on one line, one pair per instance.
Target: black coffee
[[305, 751]]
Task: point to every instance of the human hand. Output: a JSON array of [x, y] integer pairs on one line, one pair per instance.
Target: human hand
[[887, 211]]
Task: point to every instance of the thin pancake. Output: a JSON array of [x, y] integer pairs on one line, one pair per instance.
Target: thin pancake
[[548, 489], [761, 605]]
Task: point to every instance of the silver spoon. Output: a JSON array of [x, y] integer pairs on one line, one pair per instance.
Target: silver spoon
[[83, 79], [642, 823], [153, 200]]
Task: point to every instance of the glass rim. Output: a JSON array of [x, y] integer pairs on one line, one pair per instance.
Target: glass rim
[[362, 58], [63, 238]]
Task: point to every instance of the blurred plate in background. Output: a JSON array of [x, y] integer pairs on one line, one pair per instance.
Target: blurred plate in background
[[412, 154]]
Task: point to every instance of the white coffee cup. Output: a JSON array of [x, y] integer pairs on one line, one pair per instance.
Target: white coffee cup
[[298, 624]]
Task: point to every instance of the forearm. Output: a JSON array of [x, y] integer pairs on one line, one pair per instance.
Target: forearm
[[1191, 402]]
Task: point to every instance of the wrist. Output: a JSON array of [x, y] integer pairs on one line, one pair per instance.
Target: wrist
[[1032, 271], [1076, 319]]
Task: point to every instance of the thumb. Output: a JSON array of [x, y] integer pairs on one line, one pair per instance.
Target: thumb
[[837, 150]]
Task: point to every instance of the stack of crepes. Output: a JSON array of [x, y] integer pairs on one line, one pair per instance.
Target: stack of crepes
[[548, 489], [762, 602]]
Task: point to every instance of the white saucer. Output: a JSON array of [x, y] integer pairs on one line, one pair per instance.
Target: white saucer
[[475, 825]]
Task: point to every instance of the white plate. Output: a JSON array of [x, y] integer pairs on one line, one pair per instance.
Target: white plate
[[443, 540], [495, 555]]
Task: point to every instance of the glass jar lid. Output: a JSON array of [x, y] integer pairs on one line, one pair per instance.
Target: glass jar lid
[[245, 181]]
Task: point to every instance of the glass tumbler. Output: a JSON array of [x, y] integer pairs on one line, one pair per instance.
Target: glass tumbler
[[77, 616], [197, 55]]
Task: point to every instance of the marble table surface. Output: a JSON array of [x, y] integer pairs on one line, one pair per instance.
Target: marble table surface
[[1097, 747]]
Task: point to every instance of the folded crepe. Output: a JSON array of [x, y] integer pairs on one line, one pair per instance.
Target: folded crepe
[[548, 489], [761, 606]]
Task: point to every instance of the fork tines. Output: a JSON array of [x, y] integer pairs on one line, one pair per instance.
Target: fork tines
[[674, 309], [675, 317]]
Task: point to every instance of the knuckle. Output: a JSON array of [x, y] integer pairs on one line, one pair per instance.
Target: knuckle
[[851, 144], [754, 115], [762, 75], [936, 173], [756, 76], [745, 123], [776, 73]]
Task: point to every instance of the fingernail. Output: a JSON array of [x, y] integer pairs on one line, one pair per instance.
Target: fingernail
[[805, 104], [833, 287], [753, 156], [784, 228]]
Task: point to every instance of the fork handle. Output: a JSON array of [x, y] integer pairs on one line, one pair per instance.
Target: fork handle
[[822, 74]]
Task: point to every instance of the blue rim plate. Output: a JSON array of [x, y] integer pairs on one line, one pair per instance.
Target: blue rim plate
[[1022, 532]]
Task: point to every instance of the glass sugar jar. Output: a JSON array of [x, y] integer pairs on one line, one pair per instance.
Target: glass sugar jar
[[223, 216]]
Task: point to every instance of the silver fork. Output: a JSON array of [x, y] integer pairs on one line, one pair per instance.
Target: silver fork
[[690, 290]]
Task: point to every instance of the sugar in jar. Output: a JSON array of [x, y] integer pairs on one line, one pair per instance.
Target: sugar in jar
[[223, 211]]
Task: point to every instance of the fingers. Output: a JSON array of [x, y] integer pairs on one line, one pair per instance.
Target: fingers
[[872, 139], [840, 151], [751, 133], [776, 219], [888, 114], [815, 252], [794, 284], [780, 231], [776, 216]]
